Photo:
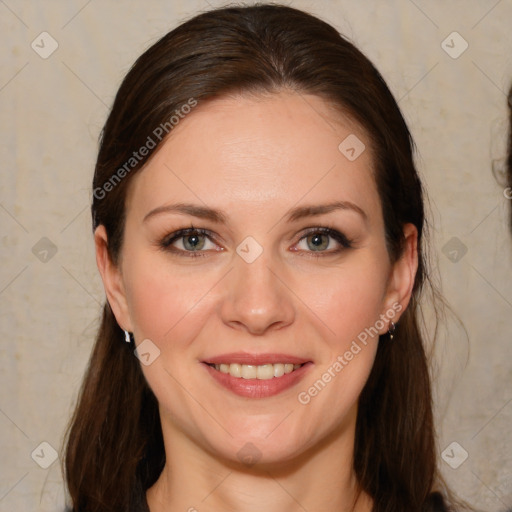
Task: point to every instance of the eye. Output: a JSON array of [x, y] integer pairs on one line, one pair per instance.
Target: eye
[[323, 240], [191, 240], [196, 242]]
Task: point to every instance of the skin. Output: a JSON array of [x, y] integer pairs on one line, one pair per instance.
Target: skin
[[255, 158]]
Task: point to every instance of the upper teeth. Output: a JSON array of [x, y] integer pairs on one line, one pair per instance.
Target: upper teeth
[[264, 371]]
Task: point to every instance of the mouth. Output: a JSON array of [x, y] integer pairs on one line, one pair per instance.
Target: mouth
[[262, 372], [257, 375]]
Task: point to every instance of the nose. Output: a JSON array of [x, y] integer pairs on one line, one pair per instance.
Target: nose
[[257, 299]]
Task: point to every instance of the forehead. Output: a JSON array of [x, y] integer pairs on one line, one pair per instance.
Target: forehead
[[255, 152]]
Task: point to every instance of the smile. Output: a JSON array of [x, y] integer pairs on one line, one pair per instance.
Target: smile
[[265, 375], [261, 372]]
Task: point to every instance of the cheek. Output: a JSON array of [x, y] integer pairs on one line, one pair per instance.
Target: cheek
[[166, 303], [348, 298], [349, 303]]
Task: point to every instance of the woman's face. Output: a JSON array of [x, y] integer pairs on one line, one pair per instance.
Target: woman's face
[[288, 266]]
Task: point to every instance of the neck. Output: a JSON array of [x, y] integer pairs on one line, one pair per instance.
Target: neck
[[320, 479]]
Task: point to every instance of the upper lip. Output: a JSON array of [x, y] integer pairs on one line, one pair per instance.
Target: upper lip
[[254, 359]]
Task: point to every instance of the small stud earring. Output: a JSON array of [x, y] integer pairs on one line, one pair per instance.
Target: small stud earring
[[127, 337], [392, 329]]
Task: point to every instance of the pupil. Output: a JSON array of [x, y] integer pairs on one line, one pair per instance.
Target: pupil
[[193, 242], [317, 242]]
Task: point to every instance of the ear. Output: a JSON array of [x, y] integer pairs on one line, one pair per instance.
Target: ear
[[401, 278], [112, 279]]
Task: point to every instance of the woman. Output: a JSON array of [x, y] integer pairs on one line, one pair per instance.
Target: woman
[[258, 223]]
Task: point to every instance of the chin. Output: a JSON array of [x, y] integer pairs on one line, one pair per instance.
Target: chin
[[250, 448]]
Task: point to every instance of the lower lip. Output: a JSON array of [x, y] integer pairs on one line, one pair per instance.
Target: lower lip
[[258, 388]]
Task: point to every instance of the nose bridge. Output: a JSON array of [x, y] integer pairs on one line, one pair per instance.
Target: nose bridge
[[257, 299], [256, 281]]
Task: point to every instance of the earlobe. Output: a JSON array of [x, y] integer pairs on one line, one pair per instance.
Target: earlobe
[[112, 279], [403, 274]]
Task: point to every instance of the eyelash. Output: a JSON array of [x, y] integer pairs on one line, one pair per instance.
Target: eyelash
[[167, 241]]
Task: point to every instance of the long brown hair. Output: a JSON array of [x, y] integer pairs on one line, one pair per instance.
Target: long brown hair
[[114, 445]]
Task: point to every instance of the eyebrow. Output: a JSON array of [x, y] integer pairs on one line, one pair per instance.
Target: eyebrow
[[220, 217]]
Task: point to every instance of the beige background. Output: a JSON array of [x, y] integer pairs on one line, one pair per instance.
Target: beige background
[[51, 113]]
